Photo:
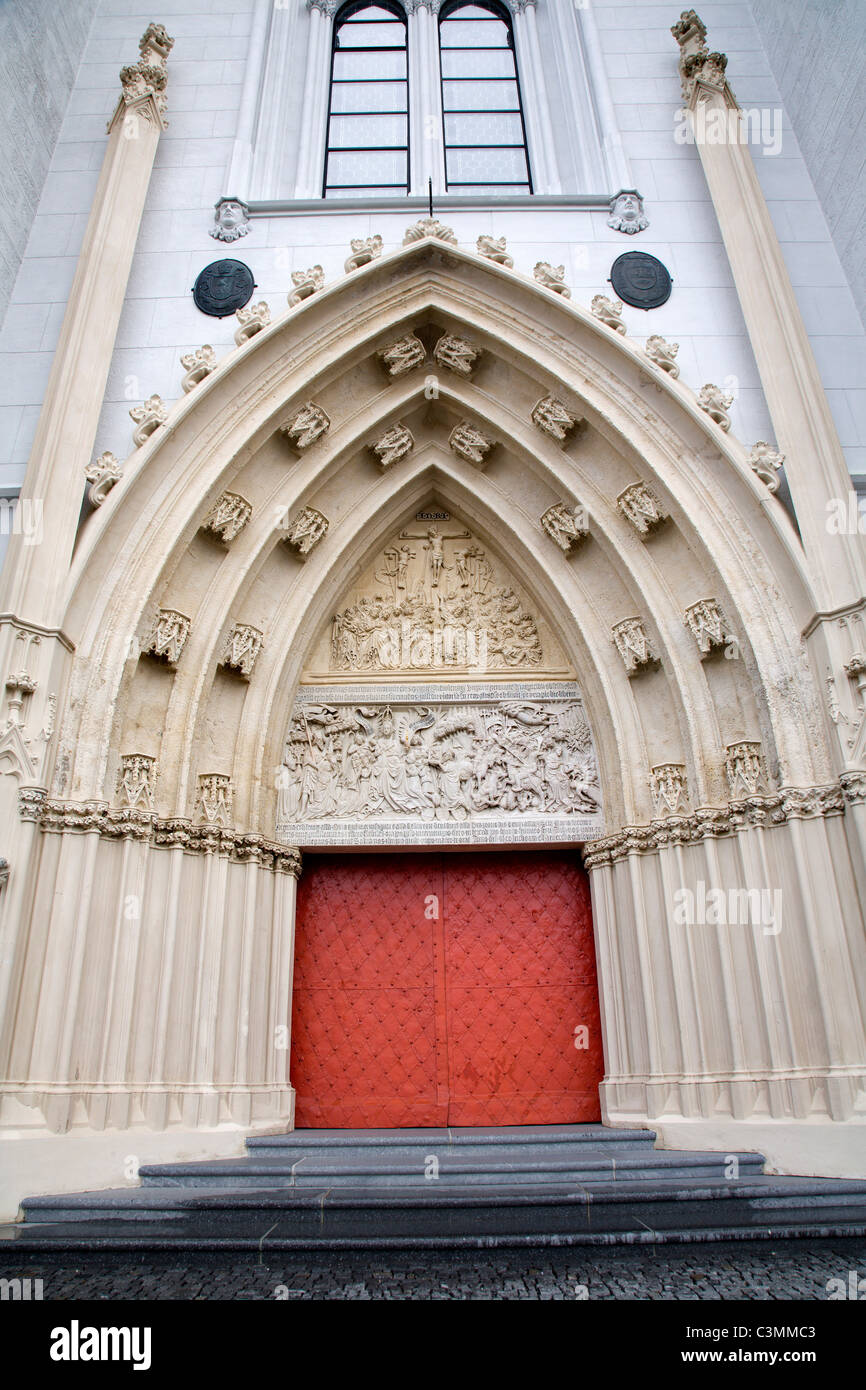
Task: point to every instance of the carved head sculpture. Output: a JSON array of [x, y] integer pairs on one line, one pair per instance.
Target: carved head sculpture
[[627, 213], [231, 219]]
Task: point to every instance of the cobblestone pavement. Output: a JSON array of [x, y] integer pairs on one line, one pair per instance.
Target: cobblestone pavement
[[731, 1270]]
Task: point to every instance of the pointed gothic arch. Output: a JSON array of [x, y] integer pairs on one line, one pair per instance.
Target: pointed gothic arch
[[715, 764]]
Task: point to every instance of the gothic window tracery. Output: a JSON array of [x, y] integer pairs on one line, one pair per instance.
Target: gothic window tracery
[[485, 136], [368, 115]]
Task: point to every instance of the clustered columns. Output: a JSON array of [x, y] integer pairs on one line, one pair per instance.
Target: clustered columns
[[805, 433], [63, 446]]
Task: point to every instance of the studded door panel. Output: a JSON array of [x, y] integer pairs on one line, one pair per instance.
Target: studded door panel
[[520, 978], [439, 989]]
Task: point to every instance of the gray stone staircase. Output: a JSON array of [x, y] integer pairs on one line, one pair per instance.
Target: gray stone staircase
[[550, 1185]]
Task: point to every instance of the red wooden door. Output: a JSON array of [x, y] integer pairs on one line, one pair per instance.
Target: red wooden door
[[435, 989]]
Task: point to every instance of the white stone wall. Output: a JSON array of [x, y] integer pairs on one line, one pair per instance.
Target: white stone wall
[[40, 48], [207, 68], [815, 49]]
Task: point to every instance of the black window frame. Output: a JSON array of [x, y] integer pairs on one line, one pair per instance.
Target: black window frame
[[359, 190], [500, 12]]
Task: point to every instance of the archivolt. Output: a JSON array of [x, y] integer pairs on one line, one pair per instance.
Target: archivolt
[[726, 538]]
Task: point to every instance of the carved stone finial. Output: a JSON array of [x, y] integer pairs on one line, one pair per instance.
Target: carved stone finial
[[394, 445], [470, 443], [662, 353], [241, 649], [198, 364], [493, 248], [567, 526], [707, 624], [554, 418], [251, 320], [552, 277], [766, 461], [403, 354], [103, 473], [627, 212], [155, 44], [459, 355], [306, 282], [669, 789], [228, 516], [364, 250], [214, 802], [136, 782], [744, 769], [640, 506], [147, 77], [305, 530], [716, 403], [631, 641], [231, 219], [308, 425], [609, 312], [147, 417], [167, 636], [690, 30], [429, 227]]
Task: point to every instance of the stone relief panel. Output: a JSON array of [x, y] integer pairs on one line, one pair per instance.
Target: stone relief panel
[[438, 764], [436, 599]]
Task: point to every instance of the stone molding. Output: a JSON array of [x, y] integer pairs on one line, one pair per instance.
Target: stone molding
[[197, 365], [102, 475], [716, 822], [364, 250], [609, 312], [147, 418], [662, 353], [305, 283], [552, 277], [82, 817], [493, 248]]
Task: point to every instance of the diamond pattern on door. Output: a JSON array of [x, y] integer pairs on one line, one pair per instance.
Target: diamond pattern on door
[[437, 989]]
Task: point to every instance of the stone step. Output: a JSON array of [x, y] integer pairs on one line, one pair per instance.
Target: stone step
[[517, 1186], [390, 1169], [485, 1140], [200, 1218]]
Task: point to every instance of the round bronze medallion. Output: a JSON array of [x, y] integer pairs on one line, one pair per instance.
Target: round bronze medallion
[[640, 280], [223, 287]]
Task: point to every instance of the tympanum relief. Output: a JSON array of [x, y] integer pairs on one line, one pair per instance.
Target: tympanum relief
[[436, 600], [440, 762]]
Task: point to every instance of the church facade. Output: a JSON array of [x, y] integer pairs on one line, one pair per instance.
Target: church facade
[[443, 701]]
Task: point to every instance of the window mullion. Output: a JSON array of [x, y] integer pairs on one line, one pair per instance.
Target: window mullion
[[427, 152], [541, 147]]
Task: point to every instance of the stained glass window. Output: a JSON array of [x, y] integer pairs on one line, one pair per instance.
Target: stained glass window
[[368, 118], [485, 138]]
